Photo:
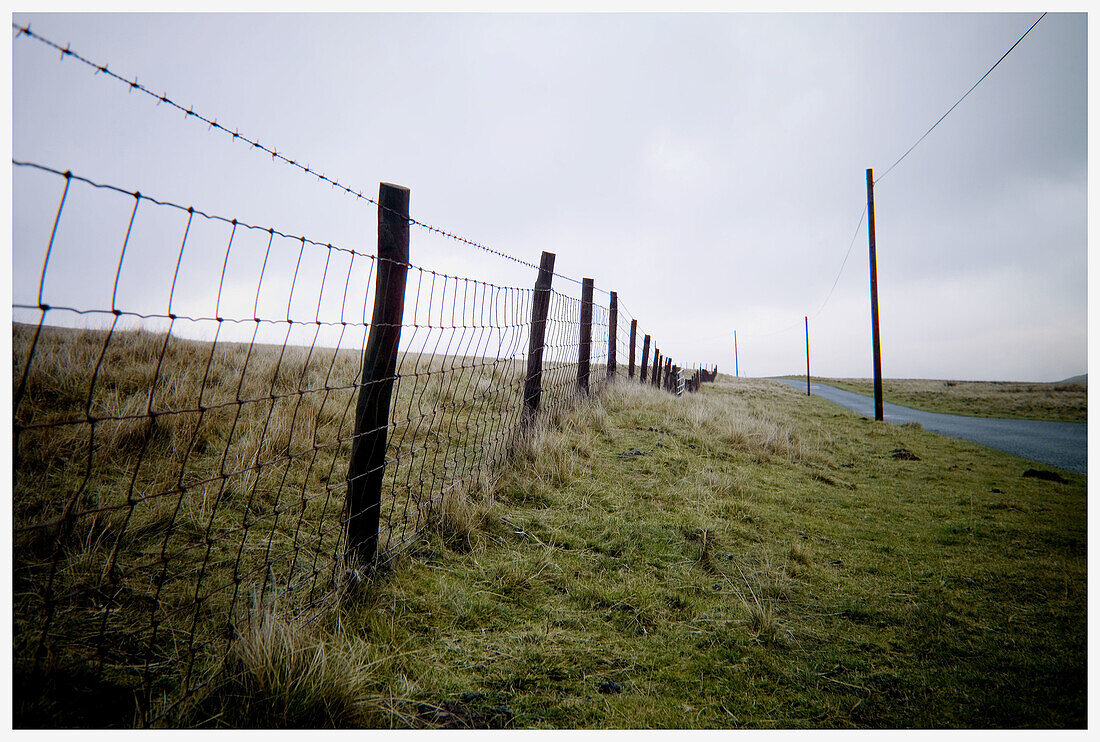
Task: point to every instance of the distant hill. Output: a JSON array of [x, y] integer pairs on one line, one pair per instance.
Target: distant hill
[[1082, 379]]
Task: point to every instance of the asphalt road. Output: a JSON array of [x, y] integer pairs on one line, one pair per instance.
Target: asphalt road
[[1064, 445]]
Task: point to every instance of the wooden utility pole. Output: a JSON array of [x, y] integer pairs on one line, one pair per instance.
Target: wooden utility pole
[[807, 356], [877, 355], [736, 368]]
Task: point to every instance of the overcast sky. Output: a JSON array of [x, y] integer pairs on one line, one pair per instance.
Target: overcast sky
[[709, 168]]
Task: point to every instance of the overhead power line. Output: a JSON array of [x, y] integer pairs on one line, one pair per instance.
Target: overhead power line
[[843, 263], [960, 100]]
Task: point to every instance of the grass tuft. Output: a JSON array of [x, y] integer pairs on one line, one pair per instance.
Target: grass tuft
[[283, 673]]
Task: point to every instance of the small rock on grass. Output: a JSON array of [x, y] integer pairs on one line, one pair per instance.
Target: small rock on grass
[[610, 686]]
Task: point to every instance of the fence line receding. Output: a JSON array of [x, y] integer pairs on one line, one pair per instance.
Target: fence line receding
[[185, 417]]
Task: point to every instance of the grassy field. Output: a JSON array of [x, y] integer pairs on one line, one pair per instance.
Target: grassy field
[[164, 491], [745, 557], [741, 557], [1065, 402]]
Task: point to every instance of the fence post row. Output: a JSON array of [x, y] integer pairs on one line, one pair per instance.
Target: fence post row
[[585, 351], [645, 358], [540, 307], [372, 407], [612, 335], [633, 342]]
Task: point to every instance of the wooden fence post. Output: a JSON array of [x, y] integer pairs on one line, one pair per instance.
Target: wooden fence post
[[656, 375], [633, 342], [612, 335], [645, 358], [585, 350], [540, 306], [372, 408]]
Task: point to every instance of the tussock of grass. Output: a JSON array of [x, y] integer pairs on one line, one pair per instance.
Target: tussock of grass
[[287, 673], [799, 554]]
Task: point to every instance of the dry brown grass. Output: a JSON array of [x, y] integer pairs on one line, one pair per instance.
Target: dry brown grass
[[1009, 399], [158, 480]]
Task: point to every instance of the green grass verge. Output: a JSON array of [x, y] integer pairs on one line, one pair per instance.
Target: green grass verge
[[1060, 402], [743, 557]]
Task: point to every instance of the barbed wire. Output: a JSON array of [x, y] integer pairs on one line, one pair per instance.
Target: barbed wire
[[212, 123]]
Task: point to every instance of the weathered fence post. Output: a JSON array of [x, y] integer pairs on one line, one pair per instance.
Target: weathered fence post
[[540, 306], [583, 362], [372, 408], [633, 342], [668, 374], [656, 375], [645, 358], [612, 336]]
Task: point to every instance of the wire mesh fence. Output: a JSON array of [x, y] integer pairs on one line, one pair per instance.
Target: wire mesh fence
[[206, 412], [183, 418]]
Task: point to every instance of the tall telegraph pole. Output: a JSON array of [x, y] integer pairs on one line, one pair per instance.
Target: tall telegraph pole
[[877, 353], [807, 355]]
